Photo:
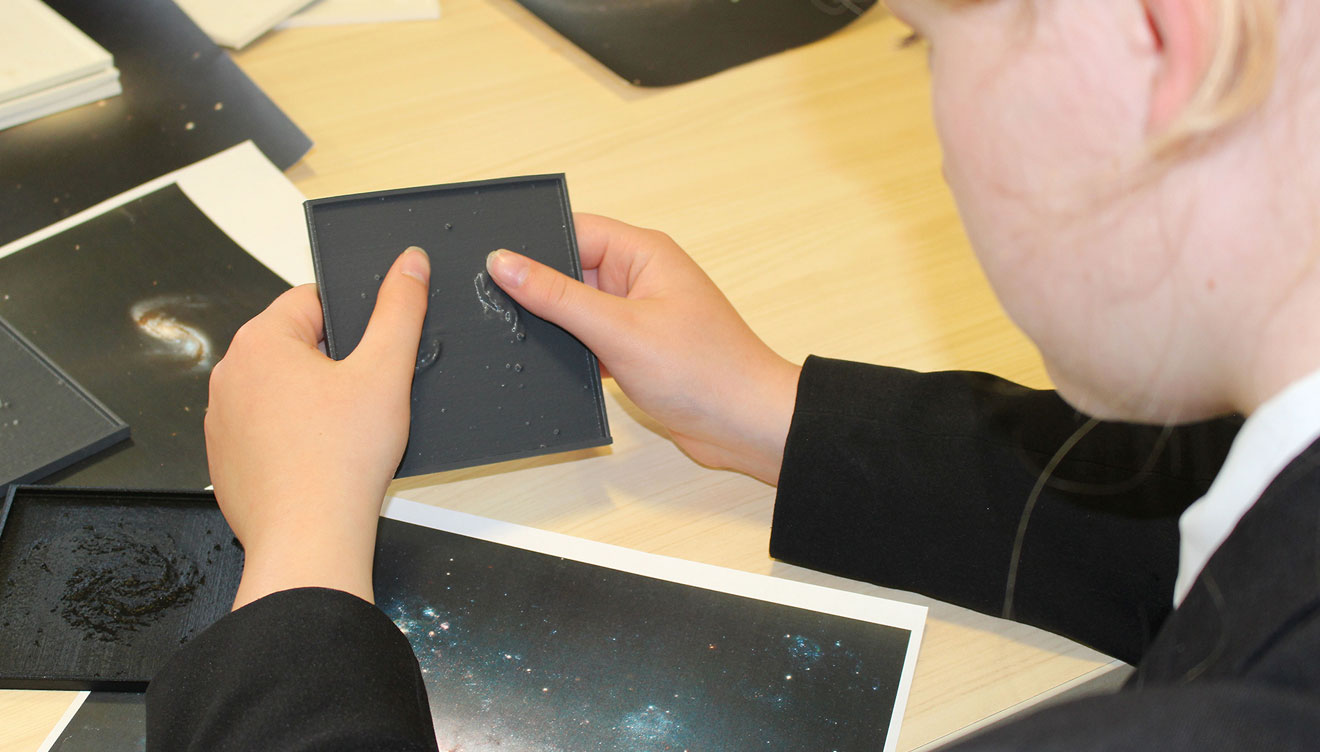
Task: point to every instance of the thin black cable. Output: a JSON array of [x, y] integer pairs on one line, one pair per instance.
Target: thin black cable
[[1032, 498]]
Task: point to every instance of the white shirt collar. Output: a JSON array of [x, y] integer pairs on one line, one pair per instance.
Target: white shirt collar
[[1275, 434]]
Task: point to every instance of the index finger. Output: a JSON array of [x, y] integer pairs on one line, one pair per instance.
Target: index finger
[[296, 313], [616, 252], [597, 236]]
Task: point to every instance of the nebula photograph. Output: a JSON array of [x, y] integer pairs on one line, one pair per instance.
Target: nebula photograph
[[137, 305], [526, 652]]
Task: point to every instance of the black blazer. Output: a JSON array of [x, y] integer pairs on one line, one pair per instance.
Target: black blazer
[[918, 482], [921, 481]]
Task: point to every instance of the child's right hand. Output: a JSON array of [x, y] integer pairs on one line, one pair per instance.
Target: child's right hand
[[669, 338]]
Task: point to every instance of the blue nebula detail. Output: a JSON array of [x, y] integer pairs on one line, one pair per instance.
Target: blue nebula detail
[[652, 729], [802, 651]]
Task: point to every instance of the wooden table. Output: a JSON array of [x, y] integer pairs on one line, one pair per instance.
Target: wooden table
[[807, 185]]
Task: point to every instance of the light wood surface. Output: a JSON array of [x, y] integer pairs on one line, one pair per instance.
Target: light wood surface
[[807, 184]]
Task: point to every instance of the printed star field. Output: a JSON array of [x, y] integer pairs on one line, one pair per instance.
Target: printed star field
[[522, 651]]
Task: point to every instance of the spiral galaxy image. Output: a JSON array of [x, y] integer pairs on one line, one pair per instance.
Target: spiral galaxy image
[[137, 305], [164, 320]]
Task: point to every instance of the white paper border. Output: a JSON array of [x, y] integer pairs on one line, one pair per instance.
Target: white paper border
[[69, 713]]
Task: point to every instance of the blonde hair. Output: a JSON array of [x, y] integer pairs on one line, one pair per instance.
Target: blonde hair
[[1239, 76]]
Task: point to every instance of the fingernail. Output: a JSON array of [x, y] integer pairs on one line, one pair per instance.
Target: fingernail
[[508, 268], [416, 264]]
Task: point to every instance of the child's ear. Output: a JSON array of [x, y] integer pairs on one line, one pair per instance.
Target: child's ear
[[1183, 32]]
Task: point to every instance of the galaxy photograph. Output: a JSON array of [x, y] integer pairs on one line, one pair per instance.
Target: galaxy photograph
[[137, 305], [527, 652]]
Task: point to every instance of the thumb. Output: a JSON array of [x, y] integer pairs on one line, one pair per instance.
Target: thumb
[[585, 312], [396, 323]]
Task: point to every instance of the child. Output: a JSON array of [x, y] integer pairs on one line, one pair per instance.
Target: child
[[1139, 179]]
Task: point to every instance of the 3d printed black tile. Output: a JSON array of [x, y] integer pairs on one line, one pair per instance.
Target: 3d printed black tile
[[47, 421], [99, 587], [492, 381]]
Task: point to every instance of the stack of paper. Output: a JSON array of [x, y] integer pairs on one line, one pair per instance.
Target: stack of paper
[[340, 12], [47, 65], [235, 23]]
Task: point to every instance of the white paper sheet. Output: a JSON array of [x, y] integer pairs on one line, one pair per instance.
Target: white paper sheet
[[339, 12], [236, 23], [40, 49], [69, 713], [243, 194]]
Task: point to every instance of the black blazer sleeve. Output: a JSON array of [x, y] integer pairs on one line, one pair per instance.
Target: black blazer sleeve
[[921, 482], [306, 669]]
